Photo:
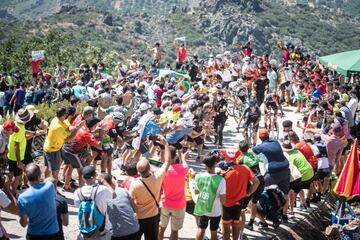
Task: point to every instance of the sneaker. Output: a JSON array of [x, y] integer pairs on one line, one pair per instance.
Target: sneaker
[[276, 224], [303, 207], [250, 226], [307, 202], [263, 225], [284, 218]]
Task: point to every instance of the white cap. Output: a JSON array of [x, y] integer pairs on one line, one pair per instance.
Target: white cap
[[144, 106]]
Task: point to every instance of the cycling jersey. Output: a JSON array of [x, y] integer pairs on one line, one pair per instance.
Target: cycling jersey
[[270, 102], [252, 116]]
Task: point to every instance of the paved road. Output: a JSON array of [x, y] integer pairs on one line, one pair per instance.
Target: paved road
[[231, 139]]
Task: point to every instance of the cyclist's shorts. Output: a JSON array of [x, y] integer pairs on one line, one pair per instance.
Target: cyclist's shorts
[[248, 122]]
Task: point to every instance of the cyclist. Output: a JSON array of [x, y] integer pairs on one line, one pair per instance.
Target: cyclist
[[252, 114], [272, 101]]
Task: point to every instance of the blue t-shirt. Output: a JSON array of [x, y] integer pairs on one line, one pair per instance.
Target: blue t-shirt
[[20, 97], [8, 95], [78, 91], [271, 153], [39, 204], [174, 137], [151, 127]]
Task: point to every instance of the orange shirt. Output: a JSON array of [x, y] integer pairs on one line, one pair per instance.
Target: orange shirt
[[236, 184]]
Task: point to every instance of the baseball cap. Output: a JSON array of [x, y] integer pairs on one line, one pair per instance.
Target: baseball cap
[[175, 100], [263, 133], [157, 111], [88, 172], [10, 125]]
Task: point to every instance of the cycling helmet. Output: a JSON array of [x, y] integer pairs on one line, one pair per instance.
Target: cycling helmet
[[252, 103], [118, 116]]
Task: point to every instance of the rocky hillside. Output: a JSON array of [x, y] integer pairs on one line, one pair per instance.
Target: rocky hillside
[[133, 25]]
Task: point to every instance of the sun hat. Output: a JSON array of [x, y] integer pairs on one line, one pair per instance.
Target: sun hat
[[10, 125], [32, 108], [287, 146], [23, 115]]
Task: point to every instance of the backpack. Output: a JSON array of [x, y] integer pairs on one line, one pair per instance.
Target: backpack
[[89, 217]]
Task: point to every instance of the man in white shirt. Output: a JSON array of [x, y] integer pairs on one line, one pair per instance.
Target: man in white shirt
[[353, 103]]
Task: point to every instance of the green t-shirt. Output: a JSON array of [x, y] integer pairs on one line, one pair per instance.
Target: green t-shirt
[[301, 164], [250, 160], [208, 186], [21, 139]]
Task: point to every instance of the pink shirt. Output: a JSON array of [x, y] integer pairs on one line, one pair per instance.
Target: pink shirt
[[173, 186]]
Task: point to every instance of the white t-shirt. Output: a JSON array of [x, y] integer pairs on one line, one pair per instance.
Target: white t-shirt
[[217, 207], [4, 202], [353, 104], [103, 195]]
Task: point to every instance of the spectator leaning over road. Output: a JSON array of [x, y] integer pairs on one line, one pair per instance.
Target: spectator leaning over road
[[237, 198], [145, 191], [59, 132], [17, 146], [173, 198], [306, 171], [38, 207], [212, 194], [121, 210], [276, 165], [102, 193]]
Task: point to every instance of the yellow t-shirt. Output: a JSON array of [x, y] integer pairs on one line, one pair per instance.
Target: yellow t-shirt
[[21, 139], [58, 133]]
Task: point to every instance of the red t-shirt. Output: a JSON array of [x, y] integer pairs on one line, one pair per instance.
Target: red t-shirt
[[83, 138], [35, 66], [159, 92], [306, 150], [127, 182], [236, 184], [321, 88], [181, 52], [285, 55]]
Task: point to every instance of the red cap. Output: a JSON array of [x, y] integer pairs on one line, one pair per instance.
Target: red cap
[[263, 133], [10, 125], [176, 108]]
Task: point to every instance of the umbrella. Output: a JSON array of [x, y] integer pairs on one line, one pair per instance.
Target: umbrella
[[344, 62], [348, 184]]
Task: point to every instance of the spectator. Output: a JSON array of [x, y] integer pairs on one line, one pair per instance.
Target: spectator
[[18, 99], [212, 194], [103, 193], [17, 147], [173, 199], [145, 192], [121, 210], [38, 207]]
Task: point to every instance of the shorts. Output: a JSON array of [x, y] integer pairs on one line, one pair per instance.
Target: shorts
[[14, 169], [280, 178], [198, 141], [295, 185], [190, 206], [255, 127], [256, 195], [271, 106], [231, 214], [179, 65], [98, 151], [177, 145], [285, 86], [52, 160], [305, 184], [214, 222], [225, 85], [34, 75], [71, 158], [323, 173], [177, 218]]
